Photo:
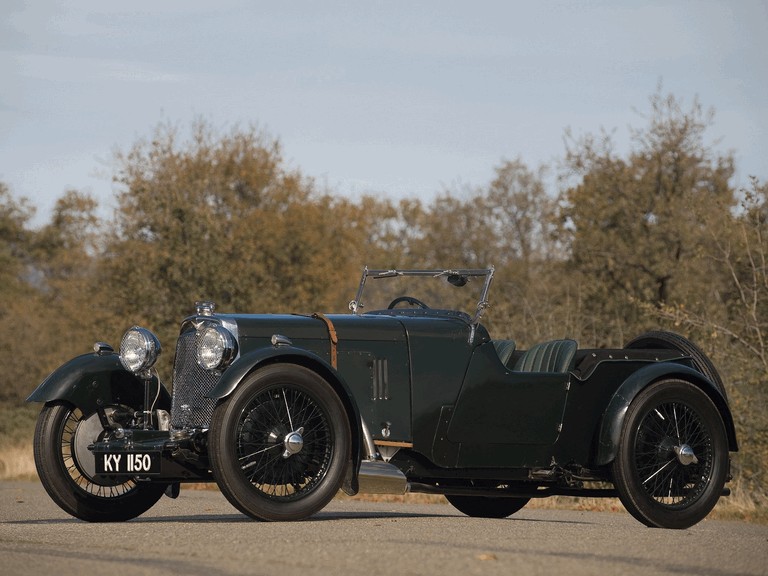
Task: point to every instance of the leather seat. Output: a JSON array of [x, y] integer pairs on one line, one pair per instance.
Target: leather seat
[[505, 349], [554, 356]]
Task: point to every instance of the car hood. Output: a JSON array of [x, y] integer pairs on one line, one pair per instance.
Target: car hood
[[347, 326]]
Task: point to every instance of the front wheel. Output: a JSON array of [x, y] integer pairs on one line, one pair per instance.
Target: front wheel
[[279, 445], [66, 468], [672, 460]]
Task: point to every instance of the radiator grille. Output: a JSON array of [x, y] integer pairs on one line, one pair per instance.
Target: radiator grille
[[191, 384]]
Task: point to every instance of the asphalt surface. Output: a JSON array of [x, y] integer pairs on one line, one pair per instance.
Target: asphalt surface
[[201, 534]]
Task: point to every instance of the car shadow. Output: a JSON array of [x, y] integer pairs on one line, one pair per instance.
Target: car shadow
[[323, 516]]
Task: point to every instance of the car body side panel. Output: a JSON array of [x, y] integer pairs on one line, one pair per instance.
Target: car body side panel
[[516, 420], [504, 419], [440, 353], [373, 359], [499, 406], [584, 412], [372, 362]]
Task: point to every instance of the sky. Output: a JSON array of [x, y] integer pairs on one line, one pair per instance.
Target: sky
[[395, 99]]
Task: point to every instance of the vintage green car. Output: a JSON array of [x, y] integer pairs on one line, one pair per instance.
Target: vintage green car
[[284, 410]]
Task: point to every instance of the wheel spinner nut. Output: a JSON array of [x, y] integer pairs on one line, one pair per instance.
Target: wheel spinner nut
[[685, 455], [293, 444]]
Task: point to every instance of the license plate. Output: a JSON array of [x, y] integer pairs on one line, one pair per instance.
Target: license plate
[[128, 463]]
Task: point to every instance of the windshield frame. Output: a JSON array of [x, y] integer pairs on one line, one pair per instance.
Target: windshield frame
[[453, 275]]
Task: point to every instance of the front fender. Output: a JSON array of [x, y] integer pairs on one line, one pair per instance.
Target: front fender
[[251, 361], [613, 417], [91, 380], [247, 363]]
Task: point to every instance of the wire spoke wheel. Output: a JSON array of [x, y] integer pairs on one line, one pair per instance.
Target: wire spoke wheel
[[67, 470], [272, 419], [72, 439], [667, 433], [280, 443], [673, 455]]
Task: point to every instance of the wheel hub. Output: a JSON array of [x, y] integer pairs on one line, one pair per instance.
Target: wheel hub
[[293, 443], [86, 433], [685, 455]]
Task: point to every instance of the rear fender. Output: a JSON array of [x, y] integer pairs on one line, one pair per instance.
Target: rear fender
[[251, 361], [93, 380], [613, 417]]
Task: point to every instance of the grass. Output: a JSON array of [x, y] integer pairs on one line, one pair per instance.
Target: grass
[[17, 463], [17, 427]]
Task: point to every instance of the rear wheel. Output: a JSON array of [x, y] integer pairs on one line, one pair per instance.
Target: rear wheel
[[279, 445], [487, 506], [66, 469], [672, 461]]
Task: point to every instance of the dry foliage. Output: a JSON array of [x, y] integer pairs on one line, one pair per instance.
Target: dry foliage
[[654, 238]]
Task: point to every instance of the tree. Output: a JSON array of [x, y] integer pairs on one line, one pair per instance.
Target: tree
[[521, 215], [14, 287], [52, 298], [637, 225], [736, 332], [14, 240], [64, 250], [507, 223], [221, 217]]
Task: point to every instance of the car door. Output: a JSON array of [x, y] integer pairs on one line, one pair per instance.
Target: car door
[[503, 417]]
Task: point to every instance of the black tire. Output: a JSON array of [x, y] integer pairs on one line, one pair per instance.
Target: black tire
[[61, 457], [487, 506], [658, 481], [280, 443], [662, 340]]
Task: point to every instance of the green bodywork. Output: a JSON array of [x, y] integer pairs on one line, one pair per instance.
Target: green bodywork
[[93, 380], [430, 383]]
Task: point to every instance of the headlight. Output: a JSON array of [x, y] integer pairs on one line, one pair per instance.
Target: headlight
[[216, 347], [139, 350]]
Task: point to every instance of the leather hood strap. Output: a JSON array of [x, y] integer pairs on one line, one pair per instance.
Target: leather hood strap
[[333, 336]]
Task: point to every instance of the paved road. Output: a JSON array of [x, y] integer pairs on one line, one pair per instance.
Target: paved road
[[201, 534]]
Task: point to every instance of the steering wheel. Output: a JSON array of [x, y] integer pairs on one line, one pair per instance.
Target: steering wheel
[[410, 300]]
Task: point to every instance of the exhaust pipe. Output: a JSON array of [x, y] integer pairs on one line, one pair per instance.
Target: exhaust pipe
[[378, 477]]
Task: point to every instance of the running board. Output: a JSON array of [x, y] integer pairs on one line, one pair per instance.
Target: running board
[[379, 477], [534, 492]]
